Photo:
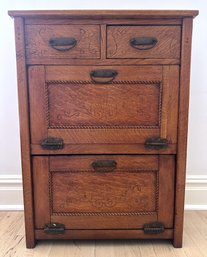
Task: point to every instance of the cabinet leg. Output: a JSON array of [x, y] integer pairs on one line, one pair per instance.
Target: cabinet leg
[[30, 243], [178, 241]]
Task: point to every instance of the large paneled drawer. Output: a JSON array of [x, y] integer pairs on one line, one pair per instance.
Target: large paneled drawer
[[143, 41], [62, 41], [109, 191], [119, 108]]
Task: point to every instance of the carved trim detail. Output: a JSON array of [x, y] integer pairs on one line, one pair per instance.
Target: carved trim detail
[[50, 186], [86, 82], [93, 171], [103, 213], [121, 82], [102, 127]]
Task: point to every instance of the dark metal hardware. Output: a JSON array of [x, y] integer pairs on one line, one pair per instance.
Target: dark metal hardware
[[54, 228], [104, 165], [52, 143], [154, 228], [62, 43], [108, 75], [143, 43], [156, 143]]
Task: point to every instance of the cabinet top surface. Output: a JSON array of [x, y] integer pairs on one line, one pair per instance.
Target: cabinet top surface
[[104, 13]]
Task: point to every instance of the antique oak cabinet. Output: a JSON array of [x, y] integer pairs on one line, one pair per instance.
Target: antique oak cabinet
[[103, 103]]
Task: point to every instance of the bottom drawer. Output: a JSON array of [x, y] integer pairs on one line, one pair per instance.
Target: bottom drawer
[[103, 191]]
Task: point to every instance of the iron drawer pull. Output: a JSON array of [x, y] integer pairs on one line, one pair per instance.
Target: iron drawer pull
[[104, 165], [108, 74], [143, 43], [52, 143], [156, 143], [62, 43]]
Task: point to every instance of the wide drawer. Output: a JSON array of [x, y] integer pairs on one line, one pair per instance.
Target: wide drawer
[[101, 109], [103, 191], [143, 42], [62, 41]]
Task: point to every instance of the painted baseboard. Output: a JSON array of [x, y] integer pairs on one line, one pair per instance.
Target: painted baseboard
[[196, 192], [11, 192], [11, 196]]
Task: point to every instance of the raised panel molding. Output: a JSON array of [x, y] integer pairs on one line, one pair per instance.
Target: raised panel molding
[[11, 192]]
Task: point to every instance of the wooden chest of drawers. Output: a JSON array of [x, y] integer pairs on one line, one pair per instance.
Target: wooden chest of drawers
[[103, 101]]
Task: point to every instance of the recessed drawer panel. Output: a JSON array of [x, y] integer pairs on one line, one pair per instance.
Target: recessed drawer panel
[[77, 105], [126, 189], [143, 42], [62, 41]]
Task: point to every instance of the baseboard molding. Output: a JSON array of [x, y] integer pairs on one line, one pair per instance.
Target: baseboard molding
[[11, 192], [196, 192], [11, 195]]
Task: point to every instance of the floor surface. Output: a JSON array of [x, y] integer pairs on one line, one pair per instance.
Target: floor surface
[[12, 242]]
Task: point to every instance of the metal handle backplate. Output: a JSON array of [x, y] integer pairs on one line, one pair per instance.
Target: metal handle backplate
[[62, 43], [103, 76], [52, 143], [104, 165], [143, 43], [156, 143]]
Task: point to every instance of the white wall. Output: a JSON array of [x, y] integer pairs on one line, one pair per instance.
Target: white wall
[[9, 131]]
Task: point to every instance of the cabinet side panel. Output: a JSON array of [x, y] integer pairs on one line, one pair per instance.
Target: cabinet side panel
[[182, 130], [24, 132]]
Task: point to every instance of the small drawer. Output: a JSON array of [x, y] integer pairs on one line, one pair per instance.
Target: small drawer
[[103, 191], [62, 41], [143, 42]]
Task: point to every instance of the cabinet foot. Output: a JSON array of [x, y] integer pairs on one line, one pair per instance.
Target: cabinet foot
[[30, 243], [178, 242]]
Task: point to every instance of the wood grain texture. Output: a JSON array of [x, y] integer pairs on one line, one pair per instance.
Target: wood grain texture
[[24, 132], [105, 234], [128, 170], [104, 135], [82, 197], [83, 162], [166, 189], [106, 13], [132, 192], [68, 21], [171, 76], [133, 148], [48, 61], [103, 41], [167, 46], [182, 130], [103, 118], [37, 103], [83, 72], [79, 105], [87, 37], [73, 107], [40, 166], [104, 221]]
